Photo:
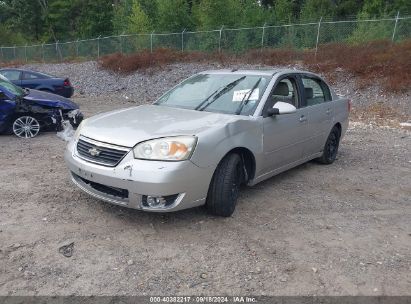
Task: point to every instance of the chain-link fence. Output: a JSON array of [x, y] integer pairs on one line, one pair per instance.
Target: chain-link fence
[[236, 40]]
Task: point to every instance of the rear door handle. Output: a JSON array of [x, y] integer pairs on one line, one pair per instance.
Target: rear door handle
[[303, 118], [328, 111]]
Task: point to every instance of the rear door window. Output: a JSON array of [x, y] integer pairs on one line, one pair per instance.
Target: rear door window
[[31, 76], [315, 91]]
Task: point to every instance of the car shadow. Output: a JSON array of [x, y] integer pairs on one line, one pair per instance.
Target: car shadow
[[200, 213]]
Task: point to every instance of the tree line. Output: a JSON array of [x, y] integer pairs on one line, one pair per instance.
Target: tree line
[[38, 21]]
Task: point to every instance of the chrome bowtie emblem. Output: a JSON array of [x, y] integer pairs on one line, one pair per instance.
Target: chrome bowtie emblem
[[94, 152]]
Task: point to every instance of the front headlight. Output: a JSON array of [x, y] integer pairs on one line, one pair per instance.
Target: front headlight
[[169, 148]]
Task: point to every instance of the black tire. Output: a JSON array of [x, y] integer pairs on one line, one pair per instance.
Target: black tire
[[225, 186], [330, 150]]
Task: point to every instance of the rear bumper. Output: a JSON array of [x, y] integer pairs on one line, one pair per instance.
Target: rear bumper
[[131, 180], [65, 92]]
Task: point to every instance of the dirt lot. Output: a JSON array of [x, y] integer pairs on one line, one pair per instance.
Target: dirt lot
[[342, 229]]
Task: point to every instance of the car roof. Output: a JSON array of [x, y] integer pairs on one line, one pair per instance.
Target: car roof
[[15, 69], [261, 72], [29, 71]]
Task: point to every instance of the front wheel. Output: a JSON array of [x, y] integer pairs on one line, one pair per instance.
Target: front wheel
[[331, 147], [225, 186], [26, 127]]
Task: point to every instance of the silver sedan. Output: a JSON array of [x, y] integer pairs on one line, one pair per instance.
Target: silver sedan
[[204, 138]]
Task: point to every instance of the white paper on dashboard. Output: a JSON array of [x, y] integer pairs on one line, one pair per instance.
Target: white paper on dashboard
[[239, 95]]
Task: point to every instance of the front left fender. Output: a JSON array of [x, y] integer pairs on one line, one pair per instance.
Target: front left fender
[[216, 142]]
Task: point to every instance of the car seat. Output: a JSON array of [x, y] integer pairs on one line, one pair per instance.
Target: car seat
[[282, 93]]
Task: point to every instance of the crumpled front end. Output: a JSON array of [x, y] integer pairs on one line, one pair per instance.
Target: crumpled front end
[[75, 117], [50, 118]]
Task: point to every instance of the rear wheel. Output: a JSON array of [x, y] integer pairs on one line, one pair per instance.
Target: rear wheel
[[225, 186], [26, 127], [331, 147]]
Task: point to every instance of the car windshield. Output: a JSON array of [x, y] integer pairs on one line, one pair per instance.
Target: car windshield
[[222, 93], [7, 85]]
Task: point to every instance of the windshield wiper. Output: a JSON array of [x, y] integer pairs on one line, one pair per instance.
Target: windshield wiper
[[205, 100], [245, 100], [224, 90]]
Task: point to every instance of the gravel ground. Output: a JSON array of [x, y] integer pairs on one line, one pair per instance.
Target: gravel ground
[[90, 80], [342, 229]]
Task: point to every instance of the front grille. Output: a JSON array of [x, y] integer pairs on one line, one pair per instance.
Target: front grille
[[114, 191], [104, 154]]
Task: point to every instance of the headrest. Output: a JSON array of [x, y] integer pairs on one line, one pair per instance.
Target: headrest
[[281, 89], [309, 93]]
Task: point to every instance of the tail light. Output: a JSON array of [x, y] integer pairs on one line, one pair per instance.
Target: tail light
[[349, 105], [67, 83]]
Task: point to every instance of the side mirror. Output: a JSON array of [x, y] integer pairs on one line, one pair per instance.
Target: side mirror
[[281, 108]]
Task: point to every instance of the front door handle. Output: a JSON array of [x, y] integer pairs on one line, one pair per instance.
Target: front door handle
[[303, 118], [328, 111]]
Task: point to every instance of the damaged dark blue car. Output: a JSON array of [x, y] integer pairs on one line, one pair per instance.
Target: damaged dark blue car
[[26, 112]]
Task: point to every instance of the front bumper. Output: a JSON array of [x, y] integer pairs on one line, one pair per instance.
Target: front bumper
[[132, 179], [75, 117]]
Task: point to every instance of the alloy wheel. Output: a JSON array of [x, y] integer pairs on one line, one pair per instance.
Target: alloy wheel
[[26, 127]]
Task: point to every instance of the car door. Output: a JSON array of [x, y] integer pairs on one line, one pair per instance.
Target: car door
[[285, 134], [30, 80], [7, 107], [318, 110], [13, 75]]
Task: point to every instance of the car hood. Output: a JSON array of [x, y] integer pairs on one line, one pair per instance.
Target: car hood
[[127, 127], [50, 100]]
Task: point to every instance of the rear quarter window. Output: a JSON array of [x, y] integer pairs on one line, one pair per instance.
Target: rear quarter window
[[28, 76]]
